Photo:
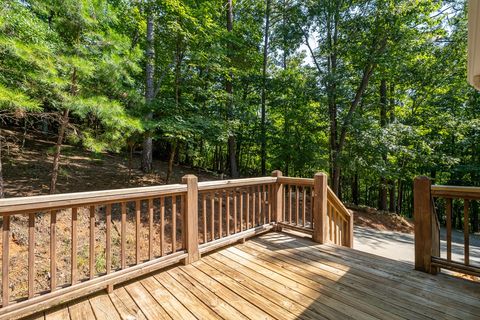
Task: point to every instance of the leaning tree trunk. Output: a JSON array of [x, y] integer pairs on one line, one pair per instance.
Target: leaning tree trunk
[[147, 148], [232, 143], [58, 147], [61, 135]]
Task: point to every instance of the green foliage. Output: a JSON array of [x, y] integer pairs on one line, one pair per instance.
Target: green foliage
[[89, 57]]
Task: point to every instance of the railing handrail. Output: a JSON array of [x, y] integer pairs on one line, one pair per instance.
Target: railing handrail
[[463, 192], [58, 201], [332, 197], [233, 183], [296, 181]]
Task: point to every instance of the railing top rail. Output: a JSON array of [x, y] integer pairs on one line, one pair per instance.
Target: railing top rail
[[57, 201], [296, 181], [334, 199], [222, 184], [455, 192]]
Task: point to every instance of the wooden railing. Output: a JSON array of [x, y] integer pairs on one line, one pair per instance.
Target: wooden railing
[[340, 221], [299, 201], [112, 236], [427, 228]]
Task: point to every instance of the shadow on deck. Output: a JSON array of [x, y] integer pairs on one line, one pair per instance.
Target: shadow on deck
[[283, 276]]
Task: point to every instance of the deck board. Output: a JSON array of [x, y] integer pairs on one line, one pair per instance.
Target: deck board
[[283, 276]]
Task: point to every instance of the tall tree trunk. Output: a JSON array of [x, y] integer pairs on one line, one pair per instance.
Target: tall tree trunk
[[399, 196], [147, 150], [391, 193], [263, 129], [61, 134], [332, 37], [232, 143], [382, 192], [355, 191], [173, 150]]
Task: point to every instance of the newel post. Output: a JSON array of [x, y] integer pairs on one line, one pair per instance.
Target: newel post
[[320, 222], [278, 198], [422, 214], [191, 218]]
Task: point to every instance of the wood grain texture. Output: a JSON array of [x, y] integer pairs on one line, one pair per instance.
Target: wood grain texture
[[91, 256], [31, 255], [5, 260], [282, 276], [74, 239], [53, 251], [123, 236]]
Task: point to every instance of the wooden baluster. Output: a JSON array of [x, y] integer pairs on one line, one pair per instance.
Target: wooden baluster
[[204, 216], [259, 213], [174, 223], [234, 211], [162, 226], [138, 209], [31, 254], [227, 205], [150, 229], [284, 207], [248, 208], [448, 210], [270, 202], [265, 203], [290, 201], [5, 260], [241, 210], [183, 235], [212, 216], [108, 235], [253, 207], [220, 214], [329, 215], [123, 235], [339, 229], [297, 209], [74, 246], [312, 203], [466, 230], [53, 251], [108, 244], [92, 242], [334, 222], [304, 206], [261, 206]]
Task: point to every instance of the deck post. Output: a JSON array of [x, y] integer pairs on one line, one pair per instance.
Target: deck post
[[191, 218], [278, 199], [422, 214], [320, 222]]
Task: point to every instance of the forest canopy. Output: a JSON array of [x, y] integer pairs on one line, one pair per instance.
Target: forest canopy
[[373, 92]]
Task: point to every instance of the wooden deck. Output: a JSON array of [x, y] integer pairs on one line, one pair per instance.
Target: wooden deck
[[282, 276]]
